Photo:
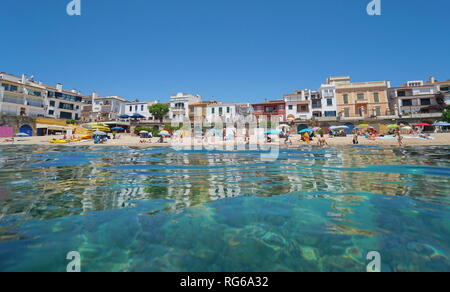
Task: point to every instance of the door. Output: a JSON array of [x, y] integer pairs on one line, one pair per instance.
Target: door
[[26, 129]]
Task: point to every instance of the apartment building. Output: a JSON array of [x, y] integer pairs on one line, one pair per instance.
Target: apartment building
[[417, 97], [444, 89], [179, 106], [21, 96], [63, 104], [362, 100]]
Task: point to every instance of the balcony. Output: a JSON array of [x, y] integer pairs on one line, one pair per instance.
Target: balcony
[[14, 100]]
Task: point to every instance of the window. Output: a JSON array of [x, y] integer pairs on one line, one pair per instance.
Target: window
[[52, 103], [136, 107], [376, 97], [290, 107], [213, 110], [220, 110], [330, 113], [401, 93], [378, 111], [131, 108], [228, 110], [346, 112], [9, 87], [281, 107], [301, 108], [64, 115], [425, 101], [345, 96], [329, 101], [142, 108], [407, 102], [66, 106], [51, 112], [360, 96]]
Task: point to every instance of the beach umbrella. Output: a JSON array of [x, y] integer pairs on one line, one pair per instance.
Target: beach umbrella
[[164, 133], [422, 125], [124, 117], [137, 116], [339, 127], [143, 132], [99, 133], [117, 129], [406, 128], [22, 135], [306, 130], [362, 126], [441, 124], [392, 126], [273, 132]]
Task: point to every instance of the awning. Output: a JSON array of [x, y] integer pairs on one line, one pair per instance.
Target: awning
[[53, 127]]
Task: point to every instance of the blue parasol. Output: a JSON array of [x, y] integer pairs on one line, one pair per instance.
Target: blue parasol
[[306, 130]]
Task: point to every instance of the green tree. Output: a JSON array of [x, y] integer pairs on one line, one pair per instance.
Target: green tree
[[446, 114], [159, 110]]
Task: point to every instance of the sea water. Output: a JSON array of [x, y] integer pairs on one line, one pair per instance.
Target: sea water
[[313, 209]]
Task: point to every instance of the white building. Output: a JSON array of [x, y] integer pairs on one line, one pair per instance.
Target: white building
[[416, 97], [179, 106], [226, 112], [63, 104], [106, 108], [328, 93], [140, 108], [21, 96], [298, 105]]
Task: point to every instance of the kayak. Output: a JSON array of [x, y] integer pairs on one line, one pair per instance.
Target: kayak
[[64, 141]]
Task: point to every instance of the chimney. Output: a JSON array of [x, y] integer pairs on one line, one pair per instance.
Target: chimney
[[59, 87], [24, 78], [432, 79], [94, 95]]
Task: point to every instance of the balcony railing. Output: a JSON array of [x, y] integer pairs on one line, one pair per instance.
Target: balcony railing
[[14, 100]]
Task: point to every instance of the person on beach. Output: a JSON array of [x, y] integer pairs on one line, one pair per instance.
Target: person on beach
[[399, 137], [306, 138], [287, 141], [322, 141], [355, 138]]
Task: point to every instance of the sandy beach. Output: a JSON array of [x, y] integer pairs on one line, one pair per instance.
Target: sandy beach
[[134, 141]]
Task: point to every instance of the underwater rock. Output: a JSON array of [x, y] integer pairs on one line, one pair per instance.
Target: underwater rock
[[274, 240], [309, 253]]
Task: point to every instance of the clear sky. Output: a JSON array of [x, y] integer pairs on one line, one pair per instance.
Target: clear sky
[[231, 50]]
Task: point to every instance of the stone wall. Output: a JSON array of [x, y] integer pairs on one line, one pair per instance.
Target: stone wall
[[17, 121]]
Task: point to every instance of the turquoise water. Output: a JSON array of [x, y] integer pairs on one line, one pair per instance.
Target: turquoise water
[[127, 209]]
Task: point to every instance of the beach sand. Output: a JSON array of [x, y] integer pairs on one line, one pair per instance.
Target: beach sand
[[134, 141]]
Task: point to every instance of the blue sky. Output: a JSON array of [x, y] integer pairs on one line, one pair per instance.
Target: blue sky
[[234, 50]]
